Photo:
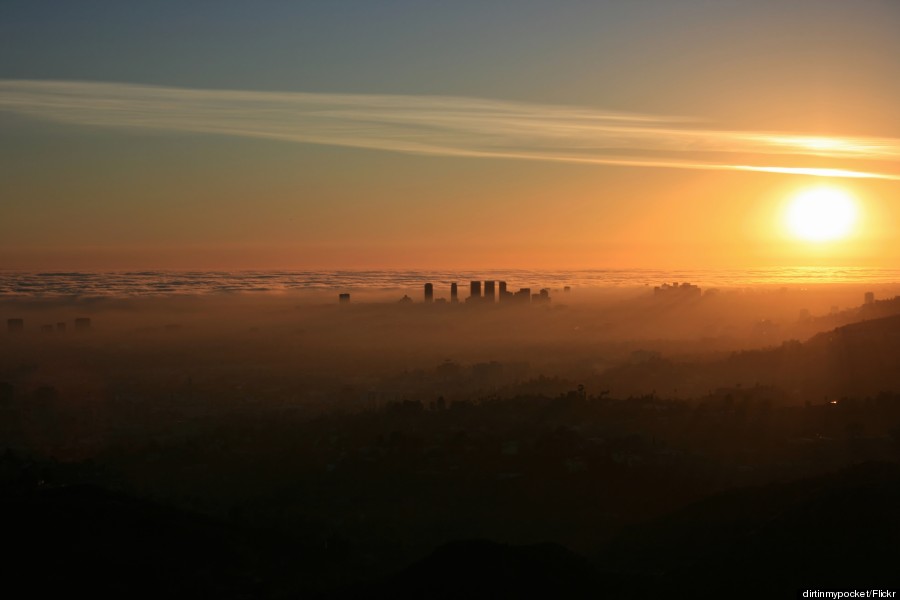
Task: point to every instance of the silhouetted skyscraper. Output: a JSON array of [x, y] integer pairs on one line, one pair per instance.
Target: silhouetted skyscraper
[[475, 290], [454, 293], [82, 324], [429, 293], [489, 295], [870, 298], [344, 298], [503, 295], [15, 325], [61, 327]]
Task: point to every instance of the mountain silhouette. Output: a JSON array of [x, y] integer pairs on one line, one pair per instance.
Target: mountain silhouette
[[840, 530]]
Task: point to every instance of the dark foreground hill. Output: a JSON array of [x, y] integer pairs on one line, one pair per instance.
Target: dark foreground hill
[[82, 539], [837, 531], [486, 569], [840, 530]]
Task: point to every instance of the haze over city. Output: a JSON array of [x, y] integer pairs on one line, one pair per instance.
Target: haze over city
[[402, 299]]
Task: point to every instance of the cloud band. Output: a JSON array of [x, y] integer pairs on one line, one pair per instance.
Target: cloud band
[[443, 126]]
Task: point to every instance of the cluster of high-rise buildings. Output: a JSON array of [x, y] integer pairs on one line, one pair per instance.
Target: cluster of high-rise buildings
[[17, 325], [683, 290], [490, 292], [480, 292]]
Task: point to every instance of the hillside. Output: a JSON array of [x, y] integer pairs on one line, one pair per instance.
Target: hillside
[[856, 360]]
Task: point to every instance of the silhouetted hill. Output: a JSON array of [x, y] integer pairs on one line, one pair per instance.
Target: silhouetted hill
[[84, 540], [854, 360], [870, 330], [836, 531], [485, 569]]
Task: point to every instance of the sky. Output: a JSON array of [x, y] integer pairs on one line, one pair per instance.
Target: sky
[[412, 135]]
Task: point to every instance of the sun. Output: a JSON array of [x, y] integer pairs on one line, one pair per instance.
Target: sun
[[821, 214]]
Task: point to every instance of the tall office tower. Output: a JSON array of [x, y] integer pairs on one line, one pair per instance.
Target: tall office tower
[[504, 295], [82, 324], [543, 297], [15, 325], [429, 293], [344, 298], [489, 296], [454, 293], [870, 298], [475, 290]]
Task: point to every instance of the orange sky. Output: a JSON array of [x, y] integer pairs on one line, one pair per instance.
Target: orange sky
[[630, 154]]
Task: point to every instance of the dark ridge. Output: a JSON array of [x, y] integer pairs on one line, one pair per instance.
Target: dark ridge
[[836, 531], [884, 328], [82, 539], [487, 569]]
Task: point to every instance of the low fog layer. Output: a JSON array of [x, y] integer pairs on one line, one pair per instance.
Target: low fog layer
[[309, 351]]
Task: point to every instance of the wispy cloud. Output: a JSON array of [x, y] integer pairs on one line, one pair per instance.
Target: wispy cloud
[[444, 126]]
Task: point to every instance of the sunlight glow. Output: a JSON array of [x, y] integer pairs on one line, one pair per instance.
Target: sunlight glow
[[821, 214]]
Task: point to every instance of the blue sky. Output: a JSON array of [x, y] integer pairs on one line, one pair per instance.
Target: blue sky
[[650, 56]]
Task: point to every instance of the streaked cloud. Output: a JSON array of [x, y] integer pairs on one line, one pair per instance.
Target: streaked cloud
[[446, 126]]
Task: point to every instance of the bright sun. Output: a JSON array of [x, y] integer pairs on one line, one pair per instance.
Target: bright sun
[[821, 214]]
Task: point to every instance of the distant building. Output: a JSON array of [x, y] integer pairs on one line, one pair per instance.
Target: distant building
[[47, 328], [61, 327], [504, 295], [454, 293], [676, 290], [15, 325], [405, 300], [523, 295], [429, 293], [474, 291], [541, 298], [344, 298], [869, 298], [82, 324], [567, 289], [489, 295]]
